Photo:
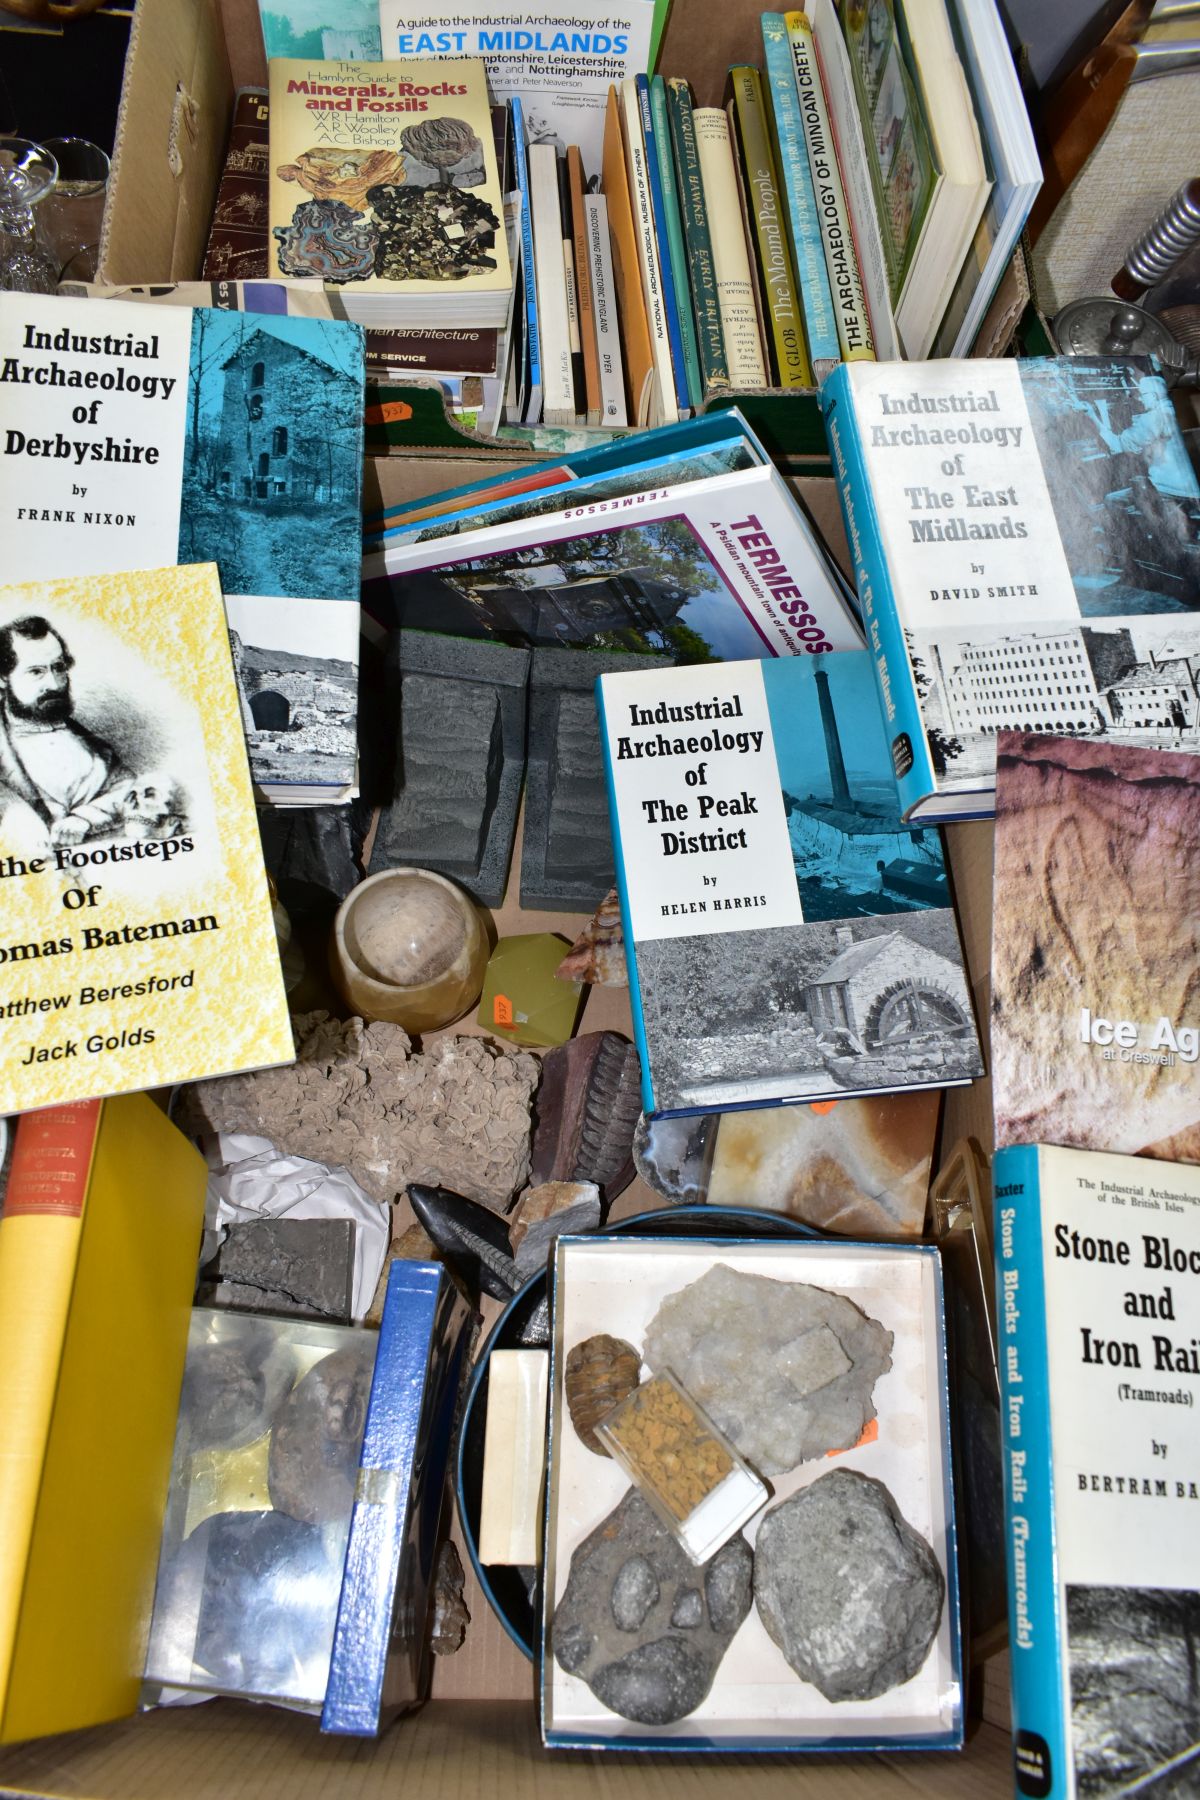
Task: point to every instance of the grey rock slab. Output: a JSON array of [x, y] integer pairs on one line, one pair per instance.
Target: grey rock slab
[[847, 1589], [785, 1369], [566, 849], [637, 1621], [302, 1268], [459, 758]]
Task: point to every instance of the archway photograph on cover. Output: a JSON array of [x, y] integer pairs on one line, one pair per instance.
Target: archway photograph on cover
[[1134, 1664]]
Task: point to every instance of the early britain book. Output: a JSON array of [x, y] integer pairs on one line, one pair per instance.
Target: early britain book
[[1026, 545], [787, 938], [133, 436], [1095, 1026], [1097, 1264], [138, 947], [102, 1218]]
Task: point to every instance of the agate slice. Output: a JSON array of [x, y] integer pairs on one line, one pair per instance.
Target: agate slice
[[784, 1369], [847, 1589], [643, 1625]]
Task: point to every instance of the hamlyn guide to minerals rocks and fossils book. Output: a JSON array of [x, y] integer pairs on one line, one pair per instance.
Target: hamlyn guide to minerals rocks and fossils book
[[787, 937]]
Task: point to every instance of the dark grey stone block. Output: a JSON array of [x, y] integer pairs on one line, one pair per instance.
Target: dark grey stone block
[[459, 760], [566, 852], [312, 855], [303, 1268]]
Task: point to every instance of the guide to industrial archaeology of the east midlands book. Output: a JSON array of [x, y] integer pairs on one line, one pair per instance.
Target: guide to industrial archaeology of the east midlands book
[[137, 946]]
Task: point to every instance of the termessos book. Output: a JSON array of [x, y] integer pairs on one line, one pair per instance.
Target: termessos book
[[384, 185], [1095, 1028], [138, 948], [1026, 544], [1097, 1266], [786, 937]]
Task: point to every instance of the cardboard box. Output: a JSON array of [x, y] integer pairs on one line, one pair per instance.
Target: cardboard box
[[479, 1736]]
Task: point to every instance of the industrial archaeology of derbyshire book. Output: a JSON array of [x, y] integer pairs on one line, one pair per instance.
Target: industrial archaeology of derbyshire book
[[138, 947], [140, 435], [787, 937], [1097, 1277]]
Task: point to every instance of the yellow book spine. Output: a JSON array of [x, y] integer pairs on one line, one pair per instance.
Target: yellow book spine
[[39, 1247]]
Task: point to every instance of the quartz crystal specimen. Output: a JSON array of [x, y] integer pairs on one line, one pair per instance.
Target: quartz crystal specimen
[[784, 1369], [847, 1589], [643, 1625]]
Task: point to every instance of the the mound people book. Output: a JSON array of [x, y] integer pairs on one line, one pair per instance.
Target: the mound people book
[[1097, 1272], [787, 937], [138, 947], [138, 435], [1026, 544]]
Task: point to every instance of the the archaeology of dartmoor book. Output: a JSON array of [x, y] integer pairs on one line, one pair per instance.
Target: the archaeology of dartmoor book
[[787, 937], [1026, 544], [1097, 1280], [140, 435], [138, 947], [1095, 1024]]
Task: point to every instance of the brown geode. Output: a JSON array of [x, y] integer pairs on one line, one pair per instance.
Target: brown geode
[[600, 1372]]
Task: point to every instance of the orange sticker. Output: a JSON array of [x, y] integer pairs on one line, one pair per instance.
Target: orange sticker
[[870, 1432], [390, 412], [822, 1106], [502, 1010]]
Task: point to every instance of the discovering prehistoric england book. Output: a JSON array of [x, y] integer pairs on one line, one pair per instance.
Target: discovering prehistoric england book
[[1095, 968], [1097, 1263], [138, 945], [787, 938], [1026, 544], [138, 435]]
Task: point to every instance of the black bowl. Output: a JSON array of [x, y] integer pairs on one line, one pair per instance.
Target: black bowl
[[516, 1607]]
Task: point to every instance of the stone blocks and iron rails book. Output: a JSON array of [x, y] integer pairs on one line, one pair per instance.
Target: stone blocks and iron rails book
[[384, 185], [135, 902], [787, 938], [1026, 545], [1097, 1271], [240, 431], [1095, 1031]]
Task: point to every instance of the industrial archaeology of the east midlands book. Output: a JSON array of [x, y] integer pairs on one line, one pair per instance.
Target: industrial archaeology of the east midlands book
[[138, 947], [1026, 543], [1097, 1283], [787, 938], [135, 436]]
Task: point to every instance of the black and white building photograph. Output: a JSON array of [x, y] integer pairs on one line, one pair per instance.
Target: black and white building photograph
[[1134, 1658]]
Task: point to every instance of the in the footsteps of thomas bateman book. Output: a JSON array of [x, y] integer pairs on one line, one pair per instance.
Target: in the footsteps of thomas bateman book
[[139, 435], [138, 948]]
